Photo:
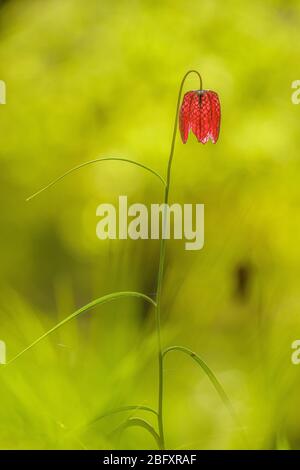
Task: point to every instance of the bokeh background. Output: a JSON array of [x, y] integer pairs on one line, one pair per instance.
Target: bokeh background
[[100, 78]]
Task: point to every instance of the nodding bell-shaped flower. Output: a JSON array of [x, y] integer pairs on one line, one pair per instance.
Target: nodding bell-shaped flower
[[200, 112]]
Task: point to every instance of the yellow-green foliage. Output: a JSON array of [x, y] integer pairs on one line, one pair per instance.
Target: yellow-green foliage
[[93, 78]]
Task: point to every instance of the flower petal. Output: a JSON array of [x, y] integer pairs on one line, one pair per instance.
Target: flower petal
[[205, 113], [215, 115], [184, 115], [195, 117]]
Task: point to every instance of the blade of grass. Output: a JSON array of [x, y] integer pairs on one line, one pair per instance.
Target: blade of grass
[[132, 422], [85, 308], [107, 414], [207, 371], [218, 387], [121, 410], [97, 160]]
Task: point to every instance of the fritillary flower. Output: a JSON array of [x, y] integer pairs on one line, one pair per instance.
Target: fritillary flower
[[200, 112]]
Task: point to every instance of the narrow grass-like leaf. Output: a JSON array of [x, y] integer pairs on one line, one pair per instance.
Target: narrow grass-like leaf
[[130, 422], [97, 160], [121, 410], [108, 414], [207, 371], [218, 387], [85, 308]]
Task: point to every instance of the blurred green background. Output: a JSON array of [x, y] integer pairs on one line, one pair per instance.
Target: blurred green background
[[96, 78]]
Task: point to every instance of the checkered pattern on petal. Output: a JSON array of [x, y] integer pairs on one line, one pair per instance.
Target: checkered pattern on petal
[[205, 113], [215, 115], [184, 115], [200, 112], [195, 115]]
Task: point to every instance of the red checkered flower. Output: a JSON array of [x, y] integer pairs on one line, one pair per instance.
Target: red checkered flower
[[200, 112]]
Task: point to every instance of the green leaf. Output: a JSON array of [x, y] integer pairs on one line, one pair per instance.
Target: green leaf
[[85, 308], [130, 422], [218, 387], [108, 414], [97, 160], [207, 371], [121, 410]]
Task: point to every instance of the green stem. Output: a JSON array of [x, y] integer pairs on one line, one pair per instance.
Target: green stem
[[162, 254]]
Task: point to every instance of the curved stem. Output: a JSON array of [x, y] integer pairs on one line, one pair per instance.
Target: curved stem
[[162, 262], [97, 160]]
